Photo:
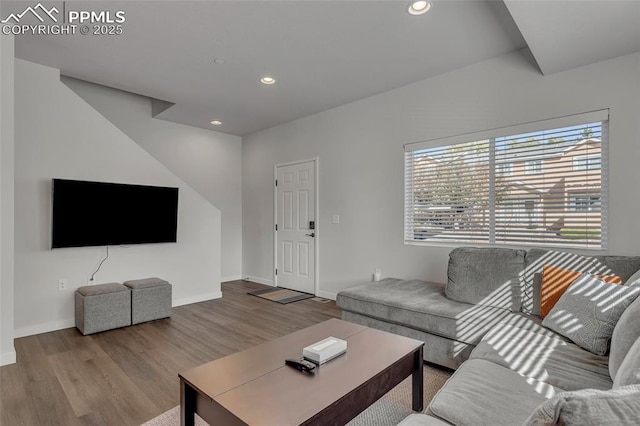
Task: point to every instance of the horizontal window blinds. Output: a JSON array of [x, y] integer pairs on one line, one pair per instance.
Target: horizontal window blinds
[[539, 185]]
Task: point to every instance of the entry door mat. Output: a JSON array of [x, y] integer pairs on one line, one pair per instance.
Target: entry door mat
[[281, 295]]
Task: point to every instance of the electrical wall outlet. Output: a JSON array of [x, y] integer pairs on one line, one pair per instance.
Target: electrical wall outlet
[[63, 284], [91, 281]]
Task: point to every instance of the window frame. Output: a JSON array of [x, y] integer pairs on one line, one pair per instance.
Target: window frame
[[583, 119]]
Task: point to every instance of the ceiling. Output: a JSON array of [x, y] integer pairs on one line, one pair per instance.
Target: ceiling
[[568, 34], [322, 53]]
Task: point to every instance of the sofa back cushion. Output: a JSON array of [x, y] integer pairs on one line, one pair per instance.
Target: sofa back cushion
[[634, 279], [626, 332], [629, 371], [485, 276], [536, 259], [623, 266]]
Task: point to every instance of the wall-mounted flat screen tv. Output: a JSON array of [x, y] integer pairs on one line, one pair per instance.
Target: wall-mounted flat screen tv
[[103, 214]]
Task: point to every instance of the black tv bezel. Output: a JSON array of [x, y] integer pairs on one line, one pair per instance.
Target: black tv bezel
[[122, 243]]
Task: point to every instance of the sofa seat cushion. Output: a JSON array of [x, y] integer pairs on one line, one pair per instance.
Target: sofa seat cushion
[[422, 420], [533, 351], [421, 305], [483, 393]]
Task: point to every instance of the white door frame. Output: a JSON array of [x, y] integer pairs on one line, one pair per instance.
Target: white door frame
[[316, 278]]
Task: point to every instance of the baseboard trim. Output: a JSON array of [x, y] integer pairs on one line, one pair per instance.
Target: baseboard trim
[[68, 323], [231, 278], [327, 294], [30, 330], [259, 280], [196, 299], [8, 358]]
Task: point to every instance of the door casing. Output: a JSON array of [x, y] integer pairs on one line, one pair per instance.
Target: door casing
[[316, 278]]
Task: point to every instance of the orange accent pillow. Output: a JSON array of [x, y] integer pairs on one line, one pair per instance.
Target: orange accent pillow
[[555, 281]]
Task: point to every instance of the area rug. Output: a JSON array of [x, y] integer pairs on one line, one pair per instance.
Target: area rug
[[387, 411], [280, 295]]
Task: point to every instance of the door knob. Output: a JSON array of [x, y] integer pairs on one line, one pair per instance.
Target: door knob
[[313, 234]]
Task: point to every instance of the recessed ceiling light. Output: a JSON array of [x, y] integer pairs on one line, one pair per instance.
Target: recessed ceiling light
[[218, 61], [216, 122], [419, 7], [267, 80]]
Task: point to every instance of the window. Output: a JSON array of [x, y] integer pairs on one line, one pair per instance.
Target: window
[[504, 169], [584, 202], [522, 185], [586, 162], [533, 167]]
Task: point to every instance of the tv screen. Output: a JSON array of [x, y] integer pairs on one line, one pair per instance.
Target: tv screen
[[102, 214]]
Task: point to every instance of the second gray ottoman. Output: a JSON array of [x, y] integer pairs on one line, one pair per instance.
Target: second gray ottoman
[[102, 307], [150, 299]]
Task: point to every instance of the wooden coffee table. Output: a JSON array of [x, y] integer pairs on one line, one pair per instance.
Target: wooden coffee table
[[255, 387]]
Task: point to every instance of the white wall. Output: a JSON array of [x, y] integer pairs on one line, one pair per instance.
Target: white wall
[[59, 135], [210, 162], [361, 159], [7, 350]]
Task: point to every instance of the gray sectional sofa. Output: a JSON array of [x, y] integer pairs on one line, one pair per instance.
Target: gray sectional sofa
[[484, 322]]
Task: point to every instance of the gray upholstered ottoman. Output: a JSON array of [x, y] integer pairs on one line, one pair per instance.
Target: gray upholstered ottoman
[[102, 307], [150, 299]]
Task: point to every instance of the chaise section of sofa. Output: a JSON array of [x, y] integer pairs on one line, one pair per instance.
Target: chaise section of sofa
[[420, 310], [450, 318]]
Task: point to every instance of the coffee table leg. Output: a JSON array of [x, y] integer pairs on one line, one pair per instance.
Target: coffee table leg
[[416, 381], [187, 404]]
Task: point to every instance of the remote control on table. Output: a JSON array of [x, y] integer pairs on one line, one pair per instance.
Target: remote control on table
[[301, 364]]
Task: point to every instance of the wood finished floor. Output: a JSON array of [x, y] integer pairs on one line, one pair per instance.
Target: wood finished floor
[[130, 375]]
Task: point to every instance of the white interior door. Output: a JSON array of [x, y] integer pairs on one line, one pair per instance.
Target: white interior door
[[295, 233]]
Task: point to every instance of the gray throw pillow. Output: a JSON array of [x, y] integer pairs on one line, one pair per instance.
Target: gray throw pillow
[[629, 371], [634, 279], [588, 312], [589, 407]]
